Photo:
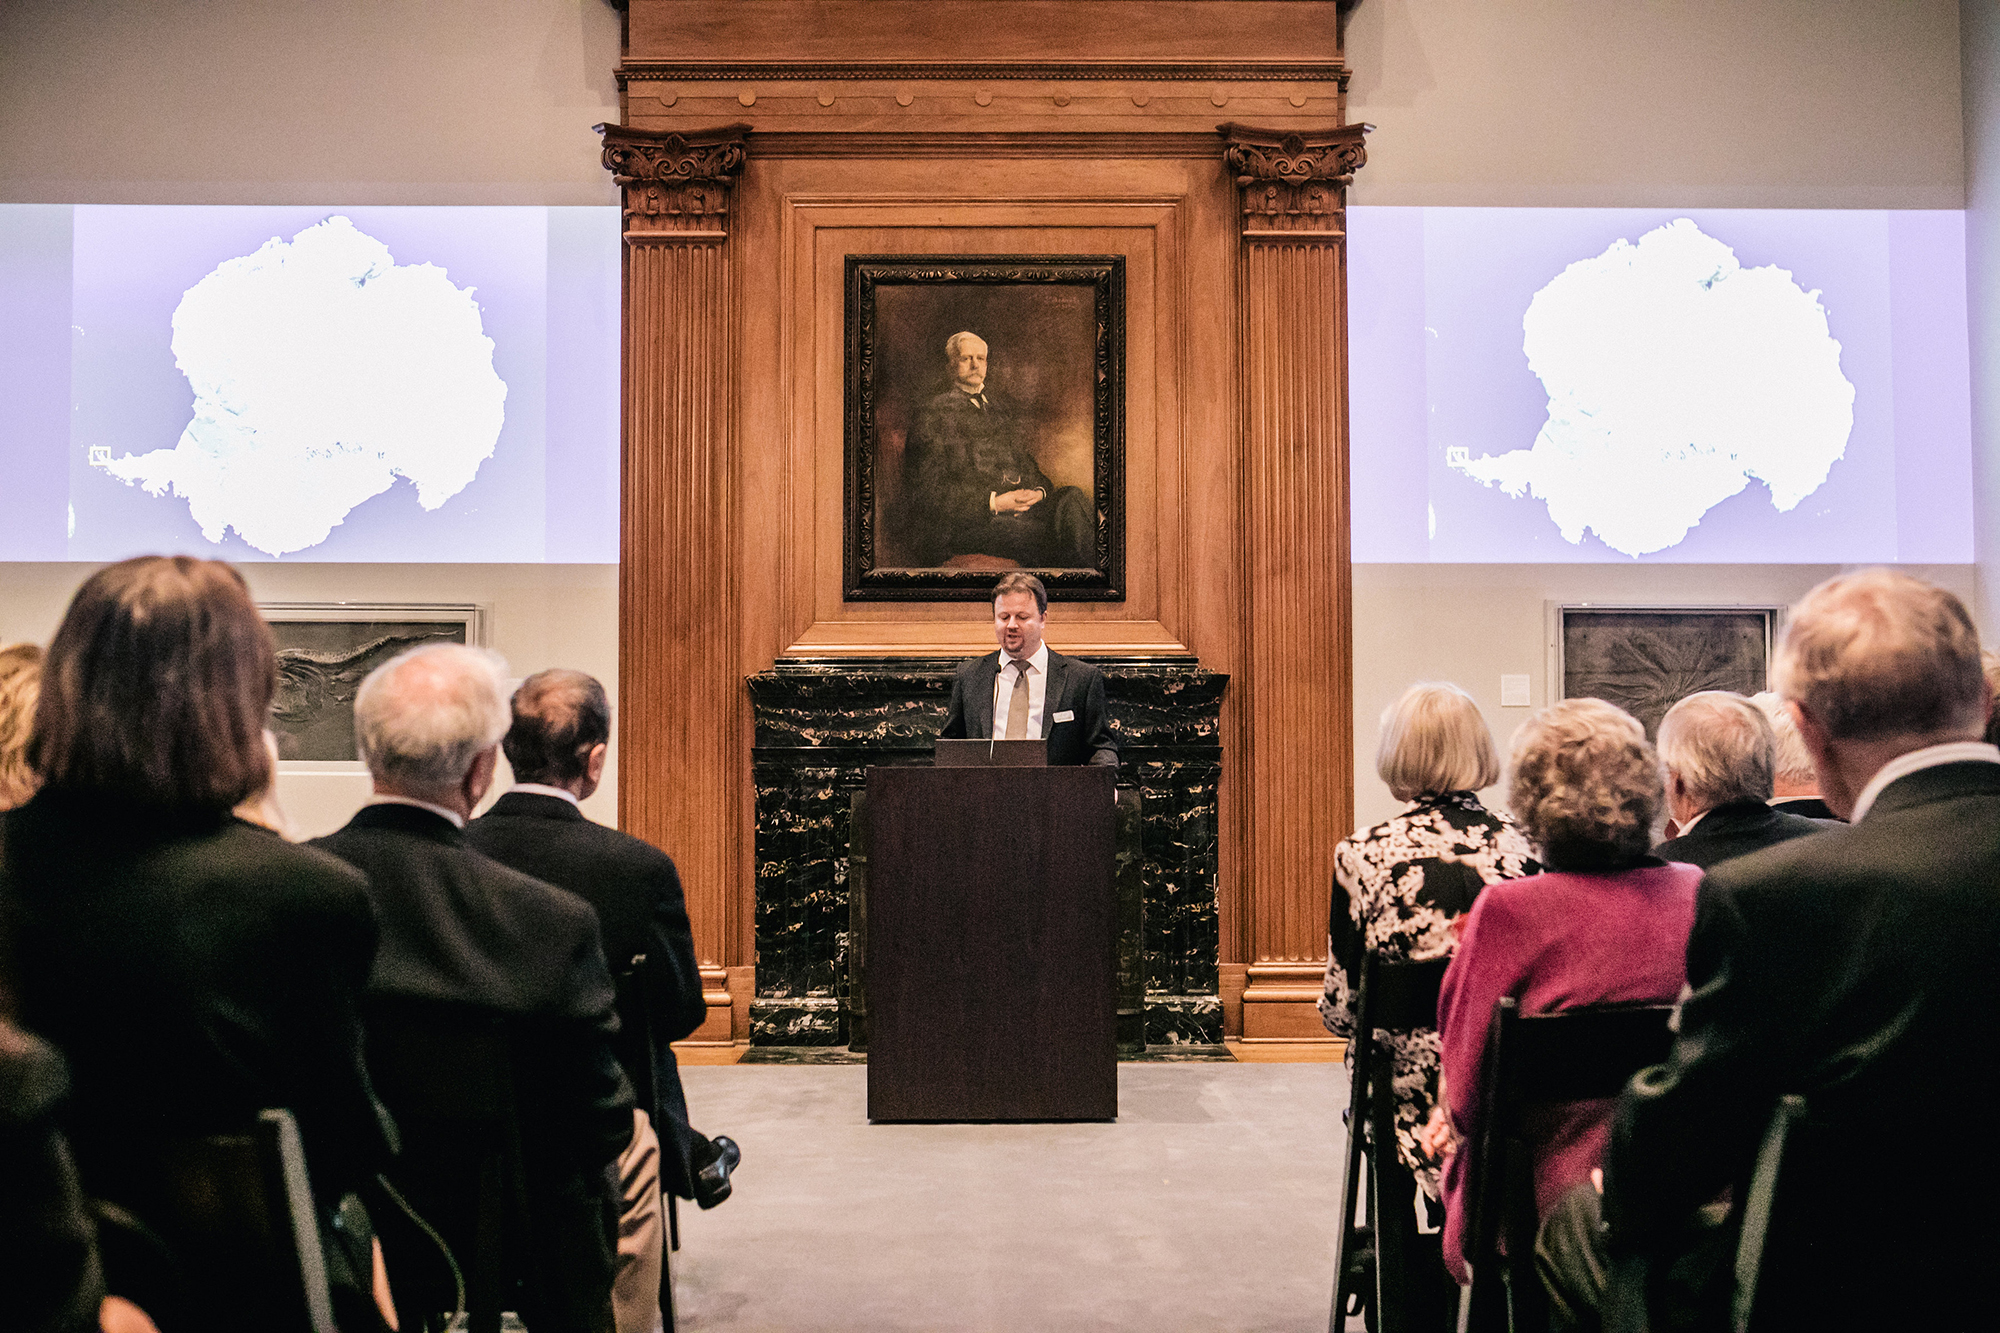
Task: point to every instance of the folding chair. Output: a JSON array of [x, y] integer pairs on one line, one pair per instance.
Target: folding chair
[[1757, 1206], [230, 1238], [1392, 996], [1532, 1061], [446, 1072], [635, 1036]]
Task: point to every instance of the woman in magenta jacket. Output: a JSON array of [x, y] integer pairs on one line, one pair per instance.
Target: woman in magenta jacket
[[1605, 923]]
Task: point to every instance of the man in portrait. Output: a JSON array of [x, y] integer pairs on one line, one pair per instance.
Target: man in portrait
[[973, 487]]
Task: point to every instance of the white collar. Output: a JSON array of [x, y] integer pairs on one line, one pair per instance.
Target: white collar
[[385, 798], [1039, 659], [1688, 827], [1951, 752], [542, 789]]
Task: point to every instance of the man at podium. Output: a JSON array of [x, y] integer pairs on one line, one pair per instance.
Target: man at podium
[[1026, 692]]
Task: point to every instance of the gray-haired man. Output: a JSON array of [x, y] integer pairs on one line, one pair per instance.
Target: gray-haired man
[[460, 929]]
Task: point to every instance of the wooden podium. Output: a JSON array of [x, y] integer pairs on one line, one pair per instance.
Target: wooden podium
[[991, 985]]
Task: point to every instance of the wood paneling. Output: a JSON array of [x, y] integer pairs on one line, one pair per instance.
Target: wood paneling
[[943, 38], [926, 126], [1294, 400], [680, 733]]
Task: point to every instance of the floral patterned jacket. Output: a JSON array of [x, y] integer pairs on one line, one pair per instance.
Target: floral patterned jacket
[[1397, 889]]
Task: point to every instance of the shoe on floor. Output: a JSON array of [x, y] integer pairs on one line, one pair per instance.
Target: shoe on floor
[[711, 1180]]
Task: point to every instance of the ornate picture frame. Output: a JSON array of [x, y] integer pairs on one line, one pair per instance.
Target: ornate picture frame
[[985, 425], [1645, 659], [326, 649]]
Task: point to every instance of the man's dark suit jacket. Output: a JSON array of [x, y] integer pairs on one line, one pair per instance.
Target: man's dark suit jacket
[[1074, 686], [1856, 968], [641, 910], [458, 926], [194, 970], [959, 455], [1812, 807], [1736, 829]]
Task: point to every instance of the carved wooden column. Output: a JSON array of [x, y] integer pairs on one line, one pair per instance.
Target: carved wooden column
[[677, 677], [1292, 307]]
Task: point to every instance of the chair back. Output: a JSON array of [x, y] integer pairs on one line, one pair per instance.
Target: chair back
[[1535, 1061], [1393, 995], [635, 1034], [446, 1072], [1758, 1203], [230, 1238]]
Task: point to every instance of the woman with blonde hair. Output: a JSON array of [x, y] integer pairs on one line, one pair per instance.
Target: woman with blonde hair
[[20, 684], [1399, 888], [1605, 922]]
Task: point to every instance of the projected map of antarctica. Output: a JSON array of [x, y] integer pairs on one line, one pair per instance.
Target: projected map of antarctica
[[322, 372], [1675, 377]]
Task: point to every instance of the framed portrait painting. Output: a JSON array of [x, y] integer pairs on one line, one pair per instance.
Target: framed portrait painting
[[985, 425]]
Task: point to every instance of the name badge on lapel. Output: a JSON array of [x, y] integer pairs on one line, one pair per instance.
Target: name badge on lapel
[[1067, 715]]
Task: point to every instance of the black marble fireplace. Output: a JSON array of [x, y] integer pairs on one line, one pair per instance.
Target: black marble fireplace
[[822, 723]]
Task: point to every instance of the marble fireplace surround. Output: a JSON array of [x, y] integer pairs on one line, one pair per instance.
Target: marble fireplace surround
[[821, 723]]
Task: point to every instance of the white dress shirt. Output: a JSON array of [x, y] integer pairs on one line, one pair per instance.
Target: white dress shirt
[[1951, 752], [538, 789], [1038, 690], [383, 798]]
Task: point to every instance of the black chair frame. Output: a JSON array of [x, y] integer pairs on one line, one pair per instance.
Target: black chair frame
[[1393, 995], [635, 1022], [448, 1069], [1578, 1054]]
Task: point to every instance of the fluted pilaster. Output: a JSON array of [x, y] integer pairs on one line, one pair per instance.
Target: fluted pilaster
[[681, 705], [1293, 313]]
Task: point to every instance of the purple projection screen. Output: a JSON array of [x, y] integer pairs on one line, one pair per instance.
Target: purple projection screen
[[1705, 386], [1527, 385], [322, 384]]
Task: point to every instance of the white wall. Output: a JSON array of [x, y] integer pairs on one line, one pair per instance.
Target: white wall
[[301, 101], [1579, 103], [1717, 103], [1981, 24]]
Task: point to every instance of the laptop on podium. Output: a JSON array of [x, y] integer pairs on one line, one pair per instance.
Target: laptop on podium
[[991, 754]]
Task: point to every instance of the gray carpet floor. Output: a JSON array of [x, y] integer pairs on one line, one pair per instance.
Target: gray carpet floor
[[1209, 1205]]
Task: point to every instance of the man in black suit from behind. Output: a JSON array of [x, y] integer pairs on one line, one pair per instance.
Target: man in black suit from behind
[[1718, 751], [460, 928], [1854, 968], [1794, 783], [557, 746], [1042, 694]]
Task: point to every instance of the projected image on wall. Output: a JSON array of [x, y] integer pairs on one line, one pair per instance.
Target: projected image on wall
[[1727, 386], [359, 384]]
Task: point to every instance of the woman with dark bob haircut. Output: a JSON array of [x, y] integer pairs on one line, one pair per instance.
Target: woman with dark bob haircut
[[1605, 922], [193, 969]]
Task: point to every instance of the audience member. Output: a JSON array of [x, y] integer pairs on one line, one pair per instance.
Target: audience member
[[261, 806], [1605, 922], [1854, 968], [1794, 783], [460, 928], [1718, 753], [1398, 889], [47, 1236], [192, 969], [557, 746], [1990, 668], [20, 684]]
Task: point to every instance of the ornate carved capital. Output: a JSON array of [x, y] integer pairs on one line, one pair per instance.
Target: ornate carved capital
[[1294, 181], [674, 183]]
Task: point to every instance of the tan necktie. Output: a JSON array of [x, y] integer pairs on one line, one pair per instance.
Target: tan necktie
[[1017, 704]]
